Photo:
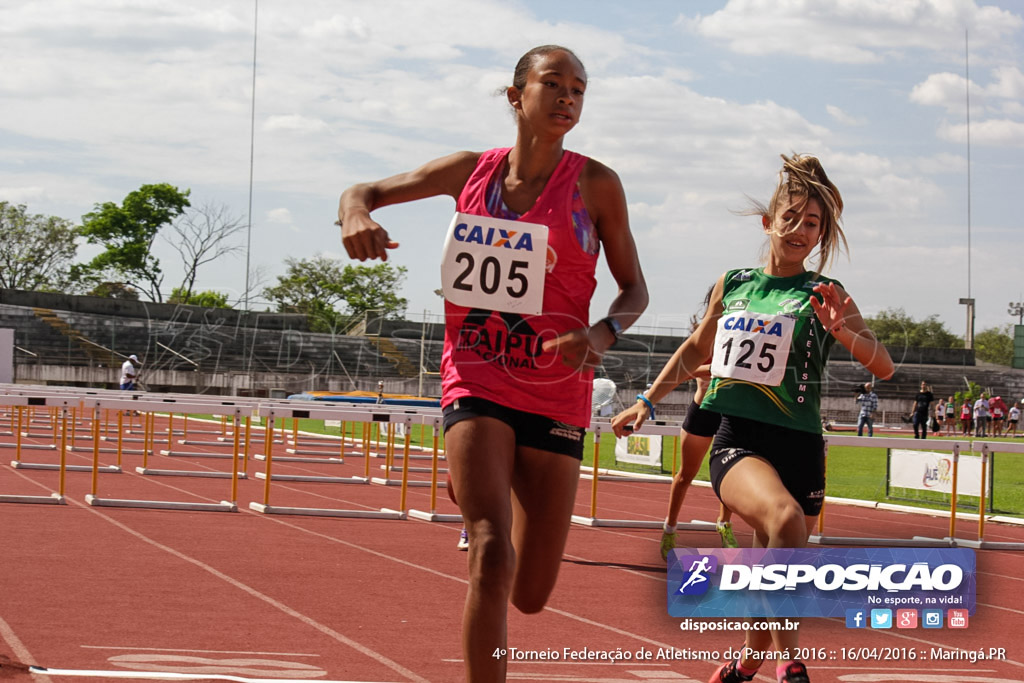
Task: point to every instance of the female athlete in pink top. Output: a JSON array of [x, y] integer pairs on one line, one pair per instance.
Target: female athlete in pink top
[[514, 385]]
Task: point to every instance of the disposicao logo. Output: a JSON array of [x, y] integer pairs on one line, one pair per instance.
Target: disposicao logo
[[819, 582]]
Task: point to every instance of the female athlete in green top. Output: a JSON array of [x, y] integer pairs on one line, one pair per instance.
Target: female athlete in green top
[[768, 331]]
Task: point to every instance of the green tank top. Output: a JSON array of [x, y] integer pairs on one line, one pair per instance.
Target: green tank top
[[770, 350]]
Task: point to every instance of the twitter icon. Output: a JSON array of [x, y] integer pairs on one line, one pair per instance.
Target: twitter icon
[[881, 618]]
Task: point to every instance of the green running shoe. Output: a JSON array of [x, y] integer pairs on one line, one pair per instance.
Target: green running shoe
[[725, 531], [668, 542]]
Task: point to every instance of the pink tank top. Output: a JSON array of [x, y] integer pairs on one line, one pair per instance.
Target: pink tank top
[[497, 356]]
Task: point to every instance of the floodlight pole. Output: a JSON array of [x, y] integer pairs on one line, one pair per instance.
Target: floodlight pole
[[968, 301], [1017, 309], [252, 150], [969, 337]]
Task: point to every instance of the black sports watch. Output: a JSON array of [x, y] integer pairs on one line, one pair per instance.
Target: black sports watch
[[614, 325]]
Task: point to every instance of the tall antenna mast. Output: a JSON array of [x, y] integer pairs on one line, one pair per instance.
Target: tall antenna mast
[[967, 74], [252, 149], [968, 301]]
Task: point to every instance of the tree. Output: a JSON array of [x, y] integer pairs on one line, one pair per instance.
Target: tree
[[127, 232], [374, 288], [995, 345], [896, 330], [200, 237], [207, 299], [35, 250], [114, 290], [318, 285]]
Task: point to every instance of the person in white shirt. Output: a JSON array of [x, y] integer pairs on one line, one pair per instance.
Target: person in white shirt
[[981, 410], [1011, 422], [129, 374]]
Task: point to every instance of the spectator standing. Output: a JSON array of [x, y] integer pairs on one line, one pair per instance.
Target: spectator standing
[[950, 416], [940, 412], [129, 373], [966, 418], [920, 412], [981, 412], [997, 412], [868, 401]]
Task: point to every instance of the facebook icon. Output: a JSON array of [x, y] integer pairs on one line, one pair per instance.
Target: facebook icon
[[856, 618]]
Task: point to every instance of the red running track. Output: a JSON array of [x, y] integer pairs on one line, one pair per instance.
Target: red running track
[[285, 597]]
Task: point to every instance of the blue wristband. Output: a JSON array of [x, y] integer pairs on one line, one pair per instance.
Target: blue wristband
[[650, 406]]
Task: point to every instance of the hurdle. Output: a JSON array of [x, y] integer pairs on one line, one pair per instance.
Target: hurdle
[[433, 515], [988, 449], [272, 412], [651, 427], [64, 403], [149, 407], [954, 447]]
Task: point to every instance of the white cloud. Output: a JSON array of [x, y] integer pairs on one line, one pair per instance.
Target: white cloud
[[282, 216], [842, 117], [852, 31]]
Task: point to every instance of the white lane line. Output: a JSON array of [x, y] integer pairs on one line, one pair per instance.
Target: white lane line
[[17, 647], [212, 652], [326, 630]]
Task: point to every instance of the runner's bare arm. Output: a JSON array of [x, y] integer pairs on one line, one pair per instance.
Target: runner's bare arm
[[602, 194], [689, 361], [366, 239]]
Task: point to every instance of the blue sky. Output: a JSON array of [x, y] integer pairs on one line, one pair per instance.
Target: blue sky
[[691, 103]]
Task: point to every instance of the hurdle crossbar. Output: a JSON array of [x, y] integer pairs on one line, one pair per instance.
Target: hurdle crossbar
[[151, 405], [432, 515], [64, 404], [988, 449], [272, 412], [954, 447], [655, 427]]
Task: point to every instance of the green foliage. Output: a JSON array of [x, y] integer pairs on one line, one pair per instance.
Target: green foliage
[[35, 250], [374, 288], [897, 330], [971, 394], [127, 232], [207, 299], [317, 286], [995, 345], [114, 290]]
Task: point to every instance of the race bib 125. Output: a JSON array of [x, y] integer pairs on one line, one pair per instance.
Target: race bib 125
[[752, 347], [494, 264]]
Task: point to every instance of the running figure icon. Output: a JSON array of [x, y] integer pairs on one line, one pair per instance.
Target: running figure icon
[[697, 573]]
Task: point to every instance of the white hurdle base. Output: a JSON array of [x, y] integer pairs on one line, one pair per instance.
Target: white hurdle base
[[384, 513], [288, 458], [915, 542], [312, 478], [32, 446], [309, 451], [434, 516], [186, 454], [694, 525], [107, 469], [188, 473], [223, 506], [398, 482], [398, 468], [52, 499], [990, 545]]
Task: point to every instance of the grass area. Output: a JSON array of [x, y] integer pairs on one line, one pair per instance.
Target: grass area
[[853, 472]]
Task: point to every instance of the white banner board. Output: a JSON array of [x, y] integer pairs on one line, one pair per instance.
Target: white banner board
[[930, 471], [641, 450]]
